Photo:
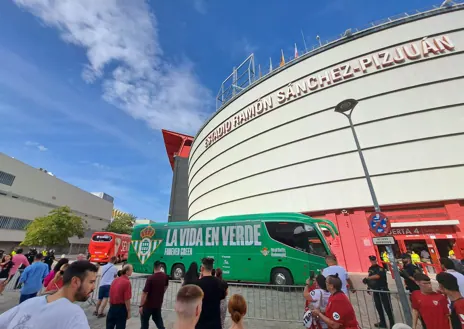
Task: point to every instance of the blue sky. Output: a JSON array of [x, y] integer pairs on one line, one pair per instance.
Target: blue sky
[[86, 86]]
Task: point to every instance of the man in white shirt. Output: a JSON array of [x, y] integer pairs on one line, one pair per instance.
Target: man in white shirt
[[109, 272], [56, 311], [448, 266], [333, 269]]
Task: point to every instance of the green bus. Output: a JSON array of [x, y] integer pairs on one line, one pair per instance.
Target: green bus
[[277, 248]]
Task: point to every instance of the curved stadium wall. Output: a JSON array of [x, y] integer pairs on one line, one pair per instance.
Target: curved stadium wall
[[279, 145]]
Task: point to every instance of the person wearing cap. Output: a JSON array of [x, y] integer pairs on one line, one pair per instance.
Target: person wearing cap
[[377, 281], [431, 306], [408, 271]]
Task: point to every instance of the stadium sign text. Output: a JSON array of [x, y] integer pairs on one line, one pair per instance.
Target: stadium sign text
[[368, 64]]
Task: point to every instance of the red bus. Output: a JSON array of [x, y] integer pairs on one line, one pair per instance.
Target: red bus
[[104, 245]]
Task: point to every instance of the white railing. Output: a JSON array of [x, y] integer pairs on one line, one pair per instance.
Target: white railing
[[234, 85]]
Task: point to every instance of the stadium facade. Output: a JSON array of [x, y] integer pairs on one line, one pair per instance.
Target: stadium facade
[[279, 146]]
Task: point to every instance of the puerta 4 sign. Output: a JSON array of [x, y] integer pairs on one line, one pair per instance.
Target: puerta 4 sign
[[379, 224]]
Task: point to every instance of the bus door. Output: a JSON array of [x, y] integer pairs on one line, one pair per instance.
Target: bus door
[[307, 249], [240, 252], [226, 254]]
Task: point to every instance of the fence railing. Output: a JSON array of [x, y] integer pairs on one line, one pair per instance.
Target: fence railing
[[280, 303], [273, 303]]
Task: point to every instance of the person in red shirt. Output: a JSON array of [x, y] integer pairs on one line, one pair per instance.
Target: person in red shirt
[[120, 296], [57, 282], [448, 284], [430, 305], [339, 312]]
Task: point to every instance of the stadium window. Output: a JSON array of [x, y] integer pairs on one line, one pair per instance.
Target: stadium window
[[6, 178]]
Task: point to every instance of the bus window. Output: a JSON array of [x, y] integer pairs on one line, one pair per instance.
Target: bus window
[[297, 235], [102, 238]]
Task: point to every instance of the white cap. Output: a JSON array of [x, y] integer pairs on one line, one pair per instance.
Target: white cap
[[401, 326]]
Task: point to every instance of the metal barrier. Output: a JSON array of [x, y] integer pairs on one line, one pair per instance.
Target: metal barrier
[[270, 302], [13, 281], [363, 302], [278, 303], [265, 302]]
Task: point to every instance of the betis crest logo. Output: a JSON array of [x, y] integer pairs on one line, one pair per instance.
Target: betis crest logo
[[145, 247], [265, 251]]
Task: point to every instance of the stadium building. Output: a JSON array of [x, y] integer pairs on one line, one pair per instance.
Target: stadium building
[[276, 144]]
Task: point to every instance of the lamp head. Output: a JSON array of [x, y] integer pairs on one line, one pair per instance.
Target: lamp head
[[346, 105]]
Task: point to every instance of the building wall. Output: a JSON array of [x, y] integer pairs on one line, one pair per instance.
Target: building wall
[[178, 208], [353, 245], [35, 193], [300, 155]]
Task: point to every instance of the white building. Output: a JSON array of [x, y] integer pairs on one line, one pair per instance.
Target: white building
[[278, 145], [27, 193]]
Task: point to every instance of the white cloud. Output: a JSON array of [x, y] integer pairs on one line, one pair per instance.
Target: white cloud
[[241, 48], [99, 165], [200, 6], [121, 37], [40, 147]]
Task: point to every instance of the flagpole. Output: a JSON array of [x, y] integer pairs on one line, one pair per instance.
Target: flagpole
[[259, 70], [304, 41], [270, 64]]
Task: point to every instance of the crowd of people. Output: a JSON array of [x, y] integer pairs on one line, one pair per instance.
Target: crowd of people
[[201, 302], [35, 270], [47, 295], [328, 305]]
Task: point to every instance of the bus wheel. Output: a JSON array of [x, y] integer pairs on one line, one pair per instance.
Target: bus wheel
[[281, 277], [178, 272]]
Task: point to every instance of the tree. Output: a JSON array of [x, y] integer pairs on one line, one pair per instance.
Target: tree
[[122, 224], [54, 229]]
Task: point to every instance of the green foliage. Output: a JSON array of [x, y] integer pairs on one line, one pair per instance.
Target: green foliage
[[54, 229], [122, 224]]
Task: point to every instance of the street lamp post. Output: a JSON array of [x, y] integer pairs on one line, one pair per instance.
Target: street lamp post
[[346, 108]]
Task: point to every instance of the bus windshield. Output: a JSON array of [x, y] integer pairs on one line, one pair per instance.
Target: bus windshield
[[102, 238], [297, 235]]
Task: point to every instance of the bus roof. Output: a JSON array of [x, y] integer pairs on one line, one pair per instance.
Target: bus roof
[[277, 216]]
